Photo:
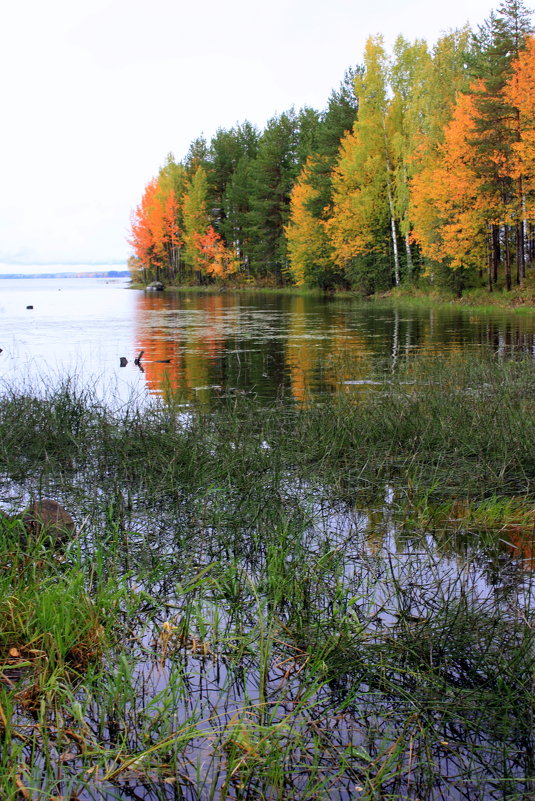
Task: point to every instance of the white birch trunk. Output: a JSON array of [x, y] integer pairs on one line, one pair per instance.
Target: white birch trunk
[[391, 207], [410, 265]]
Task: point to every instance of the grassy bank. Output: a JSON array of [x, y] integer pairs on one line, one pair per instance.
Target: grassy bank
[[332, 601], [230, 287], [519, 299]]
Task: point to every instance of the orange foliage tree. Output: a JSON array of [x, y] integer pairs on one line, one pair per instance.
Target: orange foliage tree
[[172, 235], [520, 93], [447, 200], [214, 258], [155, 236], [147, 229]]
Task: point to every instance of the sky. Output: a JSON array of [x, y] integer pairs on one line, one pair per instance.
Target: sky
[[95, 93]]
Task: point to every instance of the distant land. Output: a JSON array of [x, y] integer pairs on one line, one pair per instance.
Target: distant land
[[95, 274]]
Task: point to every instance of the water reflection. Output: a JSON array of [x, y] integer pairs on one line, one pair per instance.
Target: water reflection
[[201, 345]]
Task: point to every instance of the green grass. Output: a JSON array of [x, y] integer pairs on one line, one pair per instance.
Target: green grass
[[520, 299], [273, 603]]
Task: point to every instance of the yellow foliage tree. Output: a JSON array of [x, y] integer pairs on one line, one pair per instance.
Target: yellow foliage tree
[[306, 236], [195, 216]]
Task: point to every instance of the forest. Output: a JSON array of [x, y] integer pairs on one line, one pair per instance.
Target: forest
[[419, 171]]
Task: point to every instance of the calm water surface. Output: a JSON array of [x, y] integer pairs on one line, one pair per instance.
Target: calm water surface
[[207, 345]]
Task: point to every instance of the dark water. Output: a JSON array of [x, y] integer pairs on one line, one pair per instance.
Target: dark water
[[262, 344], [206, 345]]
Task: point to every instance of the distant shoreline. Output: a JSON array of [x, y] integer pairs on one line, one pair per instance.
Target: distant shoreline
[[94, 274]]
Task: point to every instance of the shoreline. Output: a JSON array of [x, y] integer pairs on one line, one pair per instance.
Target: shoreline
[[518, 300]]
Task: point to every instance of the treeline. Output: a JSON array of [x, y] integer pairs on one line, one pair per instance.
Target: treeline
[[422, 164]]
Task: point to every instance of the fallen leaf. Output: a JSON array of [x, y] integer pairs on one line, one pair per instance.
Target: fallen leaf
[[68, 756]]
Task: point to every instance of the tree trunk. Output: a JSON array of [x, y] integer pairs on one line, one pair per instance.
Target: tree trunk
[[495, 252], [507, 258], [391, 208], [519, 235], [520, 229], [394, 239], [410, 265], [489, 260]]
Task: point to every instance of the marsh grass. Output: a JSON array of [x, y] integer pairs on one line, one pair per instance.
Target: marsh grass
[[273, 603]]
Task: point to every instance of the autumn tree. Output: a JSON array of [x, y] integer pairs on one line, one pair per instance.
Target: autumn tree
[[213, 257], [337, 120], [171, 187], [520, 94], [309, 248], [196, 219], [446, 205], [447, 76], [406, 114], [358, 228], [147, 233], [364, 216], [466, 197]]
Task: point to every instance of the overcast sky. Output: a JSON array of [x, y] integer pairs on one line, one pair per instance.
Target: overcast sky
[[95, 93]]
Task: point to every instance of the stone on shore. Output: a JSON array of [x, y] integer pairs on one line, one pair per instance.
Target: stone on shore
[[48, 517]]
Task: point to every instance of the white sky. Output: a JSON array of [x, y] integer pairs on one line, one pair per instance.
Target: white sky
[[95, 93]]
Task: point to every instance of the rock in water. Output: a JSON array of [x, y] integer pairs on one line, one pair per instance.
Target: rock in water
[[50, 518]]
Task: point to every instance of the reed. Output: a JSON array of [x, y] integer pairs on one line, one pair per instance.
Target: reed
[[278, 603]]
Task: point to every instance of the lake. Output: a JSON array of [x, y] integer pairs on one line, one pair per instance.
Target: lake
[[206, 345]]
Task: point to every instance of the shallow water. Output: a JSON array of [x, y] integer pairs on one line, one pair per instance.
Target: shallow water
[[388, 578], [382, 578], [206, 345]]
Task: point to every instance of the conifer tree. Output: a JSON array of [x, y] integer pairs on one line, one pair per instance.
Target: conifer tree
[[271, 179], [229, 152], [498, 42]]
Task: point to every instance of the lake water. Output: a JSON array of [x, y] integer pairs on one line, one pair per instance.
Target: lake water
[[211, 344]]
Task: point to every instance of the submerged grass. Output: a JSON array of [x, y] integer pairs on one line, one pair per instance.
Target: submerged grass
[[309, 602]]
